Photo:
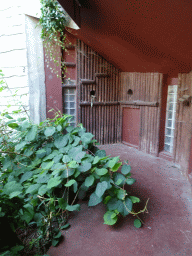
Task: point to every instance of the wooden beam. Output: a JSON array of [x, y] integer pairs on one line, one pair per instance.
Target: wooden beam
[[101, 75], [70, 46], [99, 103], [87, 81], [140, 103], [68, 86], [69, 64]]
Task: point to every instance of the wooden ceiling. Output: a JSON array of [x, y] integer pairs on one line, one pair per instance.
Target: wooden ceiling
[[139, 35]]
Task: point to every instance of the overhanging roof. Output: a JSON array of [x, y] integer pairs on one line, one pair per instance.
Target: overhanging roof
[[139, 35]]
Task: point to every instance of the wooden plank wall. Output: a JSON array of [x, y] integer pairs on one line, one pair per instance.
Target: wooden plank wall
[[147, 90], [183, 130], [103, 118]]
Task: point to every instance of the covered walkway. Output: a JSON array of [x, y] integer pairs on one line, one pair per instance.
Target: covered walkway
[[168, 223]]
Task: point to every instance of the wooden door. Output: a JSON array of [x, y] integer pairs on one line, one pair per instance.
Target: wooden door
[[183, 133], [131, 126]]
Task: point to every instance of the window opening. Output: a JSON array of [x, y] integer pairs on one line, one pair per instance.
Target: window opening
[[170, 117], [70, 104]]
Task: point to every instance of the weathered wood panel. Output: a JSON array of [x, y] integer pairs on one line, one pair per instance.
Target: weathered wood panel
[[98, 76], [183, 126], [144, 90]]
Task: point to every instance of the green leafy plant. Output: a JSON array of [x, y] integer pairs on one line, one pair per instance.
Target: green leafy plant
[[46, 168], [53, 22]]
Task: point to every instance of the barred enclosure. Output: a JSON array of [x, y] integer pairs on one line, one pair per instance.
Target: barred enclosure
[[98, 95]]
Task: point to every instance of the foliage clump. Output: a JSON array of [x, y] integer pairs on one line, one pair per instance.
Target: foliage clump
[[53, 22], [46, 168]]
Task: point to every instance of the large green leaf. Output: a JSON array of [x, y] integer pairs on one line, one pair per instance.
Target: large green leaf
[[101, 171], [96, 159], [70, 183], [58, 166], [26, 176], [54, 182], [119, 179], [113, 161], [47, 165], [85, 167], [41, 153], [8, 116], [42, 190], [137, 223], [57, 158], [134, 199], [61, 141], [13, 125], [72, 208], [33, 188], [11, 187], [100, 153], [58, 235], [55, 242], [27, 216], [67, 173], [107, 179], [110, 218], [79, 156], [94, 200], [125, 169], [89, 181], [76, 141], [116, 167], [49, 131], [51, 156], [65, 226], [31, 133], [59, 128], [43, 178], [115, 204], [130, 181], [121, 194], [106, 200], [75, 150], [20, 145], [73, 164], [62, 203], [25, 125], [66, 159], [28, 151], [30, 208], [15, 194], [127, 206], [87, 137], [101, 188], [75, 186], [36, 162]]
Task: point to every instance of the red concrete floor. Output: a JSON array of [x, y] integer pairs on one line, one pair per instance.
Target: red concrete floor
[[168, 225]]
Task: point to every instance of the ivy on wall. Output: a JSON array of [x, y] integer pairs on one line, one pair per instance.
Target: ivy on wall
[[53, 21]]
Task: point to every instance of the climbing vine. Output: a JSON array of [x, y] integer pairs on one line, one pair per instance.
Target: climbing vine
[[53, 21]]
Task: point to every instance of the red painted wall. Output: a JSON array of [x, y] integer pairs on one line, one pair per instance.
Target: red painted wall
[[53, 88], [53, 83], [70, 56]]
